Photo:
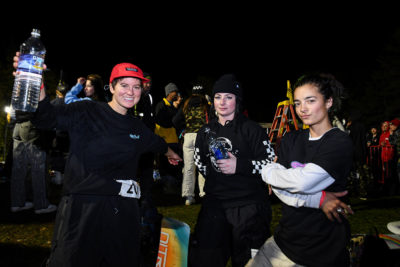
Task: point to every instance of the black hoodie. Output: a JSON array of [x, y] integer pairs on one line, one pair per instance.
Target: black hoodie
[[249, 143]]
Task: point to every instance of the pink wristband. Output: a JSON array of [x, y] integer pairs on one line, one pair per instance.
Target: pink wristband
[[322, 198]]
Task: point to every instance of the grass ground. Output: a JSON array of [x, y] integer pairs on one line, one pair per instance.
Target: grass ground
[[25, 237]]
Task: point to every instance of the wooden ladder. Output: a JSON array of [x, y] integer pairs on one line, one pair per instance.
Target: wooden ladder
[[283, 119]]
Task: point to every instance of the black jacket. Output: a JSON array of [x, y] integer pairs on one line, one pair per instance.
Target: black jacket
[[250, 144]]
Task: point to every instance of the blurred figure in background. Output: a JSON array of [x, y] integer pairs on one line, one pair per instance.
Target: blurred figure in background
[[360, 178], [191, 117], [29, 160], [59, 150], [165, 110], [92, 89]]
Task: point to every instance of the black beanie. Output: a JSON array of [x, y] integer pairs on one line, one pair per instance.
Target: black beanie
[[198, 89], [227, 83]]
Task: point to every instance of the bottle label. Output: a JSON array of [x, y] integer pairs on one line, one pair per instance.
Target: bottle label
[[218, 149], [30, 63]]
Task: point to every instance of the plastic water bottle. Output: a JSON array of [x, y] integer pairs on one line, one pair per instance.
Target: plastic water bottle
[[215, 146], [28, 78]]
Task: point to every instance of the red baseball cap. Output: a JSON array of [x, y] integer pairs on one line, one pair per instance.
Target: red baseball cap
[[395, 122], [127, 70]]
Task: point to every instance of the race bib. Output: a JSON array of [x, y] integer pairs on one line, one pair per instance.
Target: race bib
[[129, 188]]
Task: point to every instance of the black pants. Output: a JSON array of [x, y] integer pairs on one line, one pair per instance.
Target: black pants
[[232, 232], [145, 172], [96, 231]]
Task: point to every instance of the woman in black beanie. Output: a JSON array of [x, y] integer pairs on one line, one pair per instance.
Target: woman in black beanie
[[235, 214]]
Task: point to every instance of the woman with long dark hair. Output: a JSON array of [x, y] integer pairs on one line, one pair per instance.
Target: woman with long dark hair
[[311, 171], [90, 88]]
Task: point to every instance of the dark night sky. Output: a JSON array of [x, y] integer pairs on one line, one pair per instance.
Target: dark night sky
[[263, 47]]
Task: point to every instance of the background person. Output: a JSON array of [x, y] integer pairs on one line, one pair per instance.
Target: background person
[[29, 160], [60, 144], [191, 117], [92, 89], [165, 110], [384, 136], [360, 179], [392, 185], [374, 157], [373, 137]]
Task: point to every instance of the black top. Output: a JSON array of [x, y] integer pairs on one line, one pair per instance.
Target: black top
[[104, 145], [195, 117], [145, 111], [306, 235], [164, 114], [249, 143]]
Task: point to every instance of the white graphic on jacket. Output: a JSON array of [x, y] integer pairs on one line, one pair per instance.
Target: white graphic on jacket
[[134, 136], [226, 145]]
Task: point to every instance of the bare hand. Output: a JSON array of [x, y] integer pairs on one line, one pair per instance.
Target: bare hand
[[227, 166], [333, 207], [173, 158], [81, 80], [16, 60], [15, 65], [177, 102]]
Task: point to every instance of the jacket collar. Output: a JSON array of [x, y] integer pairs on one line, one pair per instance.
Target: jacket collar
[[166, 102]]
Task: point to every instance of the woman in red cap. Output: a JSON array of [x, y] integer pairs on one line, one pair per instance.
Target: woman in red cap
[[97, 223]]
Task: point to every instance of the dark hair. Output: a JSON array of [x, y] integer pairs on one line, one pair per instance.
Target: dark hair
[[327, 85], [197, 99], [238, 107], [97, 83]]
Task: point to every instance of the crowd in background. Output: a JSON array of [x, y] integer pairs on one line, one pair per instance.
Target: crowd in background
[[36, 154], [376, 166], [376, 159], [383, 155], [36, 157]]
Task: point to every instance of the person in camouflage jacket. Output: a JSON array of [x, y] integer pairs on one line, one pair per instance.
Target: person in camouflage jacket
[[191, 117]]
